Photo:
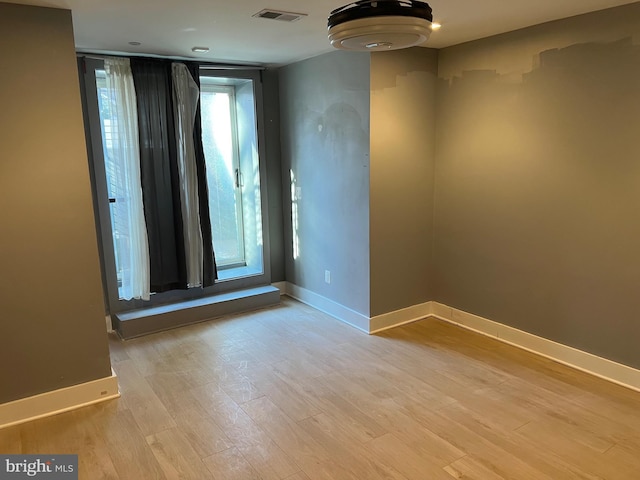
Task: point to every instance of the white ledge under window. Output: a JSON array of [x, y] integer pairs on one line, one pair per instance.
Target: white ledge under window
[[228, 274]]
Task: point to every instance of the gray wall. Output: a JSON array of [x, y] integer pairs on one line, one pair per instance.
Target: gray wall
[[52, 327], [403, 106], [274, 167], [538, 181], [325, 146]]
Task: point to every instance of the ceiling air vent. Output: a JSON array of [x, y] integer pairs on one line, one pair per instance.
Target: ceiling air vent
[[279, 15]]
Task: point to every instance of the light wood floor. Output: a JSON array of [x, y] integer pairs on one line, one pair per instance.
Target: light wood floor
[[290, 393]]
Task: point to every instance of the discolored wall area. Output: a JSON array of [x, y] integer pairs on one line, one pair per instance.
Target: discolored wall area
[[403, 122], [537, 181]]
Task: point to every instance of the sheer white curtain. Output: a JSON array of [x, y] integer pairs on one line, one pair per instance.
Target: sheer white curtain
[[128, 210], [185, 103]]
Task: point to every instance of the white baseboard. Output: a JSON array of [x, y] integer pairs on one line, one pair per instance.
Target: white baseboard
[[400, 317], [58, 401], [600, 367], [368, 325], [282, 286], [342, 313], [578, 359]]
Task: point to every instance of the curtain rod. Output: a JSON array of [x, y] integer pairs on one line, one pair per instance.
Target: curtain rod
[[204, 66]]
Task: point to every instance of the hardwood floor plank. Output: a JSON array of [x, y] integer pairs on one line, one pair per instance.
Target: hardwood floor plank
[[10, 440], [350, 420], [62, 435], [306, 451], [242, 391], [202, 432], [619, 462], [176, 457], [149, 412], [468, 468], [128, 449], [174, 391], [390, 416], [468, 438], [288, 393], [298, 476], [539, 458], [144, 355], [559, 432], [602, 423], [570, 451], [94, 460], [393, 452], [117, 350], [269, 460], [230, 465], [238, 427], [357, 460]]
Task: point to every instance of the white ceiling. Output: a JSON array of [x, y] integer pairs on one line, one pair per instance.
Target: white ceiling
[[173, 27]]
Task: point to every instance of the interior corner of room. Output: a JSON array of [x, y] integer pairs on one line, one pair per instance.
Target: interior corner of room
[[492, 184]]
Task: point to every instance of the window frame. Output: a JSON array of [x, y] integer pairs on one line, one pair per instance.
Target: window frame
[[230, 279], [231, 91]]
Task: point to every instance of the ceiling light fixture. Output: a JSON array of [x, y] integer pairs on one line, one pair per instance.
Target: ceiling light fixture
[[373, 25], [435, 26], [200, 49]]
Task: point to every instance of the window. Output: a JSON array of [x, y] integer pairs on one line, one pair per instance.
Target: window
[[117, 193], [220, 141], [230, 140], [229, 112]]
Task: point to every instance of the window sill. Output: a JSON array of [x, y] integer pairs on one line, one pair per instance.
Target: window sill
[[225, 275], [154, 319]]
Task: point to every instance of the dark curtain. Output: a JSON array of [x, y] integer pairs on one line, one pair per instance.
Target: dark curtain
[[160, 176], [210, 272]]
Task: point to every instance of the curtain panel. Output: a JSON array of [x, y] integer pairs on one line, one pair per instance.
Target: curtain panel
[[127, 210], [209, 268], [191, 165], [185, 101], [173, 175], [160, 177]]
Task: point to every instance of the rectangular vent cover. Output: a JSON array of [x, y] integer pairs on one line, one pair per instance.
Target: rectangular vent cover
[[279, 15]]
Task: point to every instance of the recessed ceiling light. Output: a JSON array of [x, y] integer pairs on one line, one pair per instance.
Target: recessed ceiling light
[[135, 44], [200, 49], [435, 26]]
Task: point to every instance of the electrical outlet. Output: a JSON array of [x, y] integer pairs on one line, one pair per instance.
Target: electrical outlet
[[327, 276], [298, 193]]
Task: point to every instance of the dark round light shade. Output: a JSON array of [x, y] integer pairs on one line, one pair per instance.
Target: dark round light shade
[[380, 25]]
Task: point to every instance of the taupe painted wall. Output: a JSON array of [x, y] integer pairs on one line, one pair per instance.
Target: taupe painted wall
[[403, 107], [324, 109], [537, 202], [52, 327]]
